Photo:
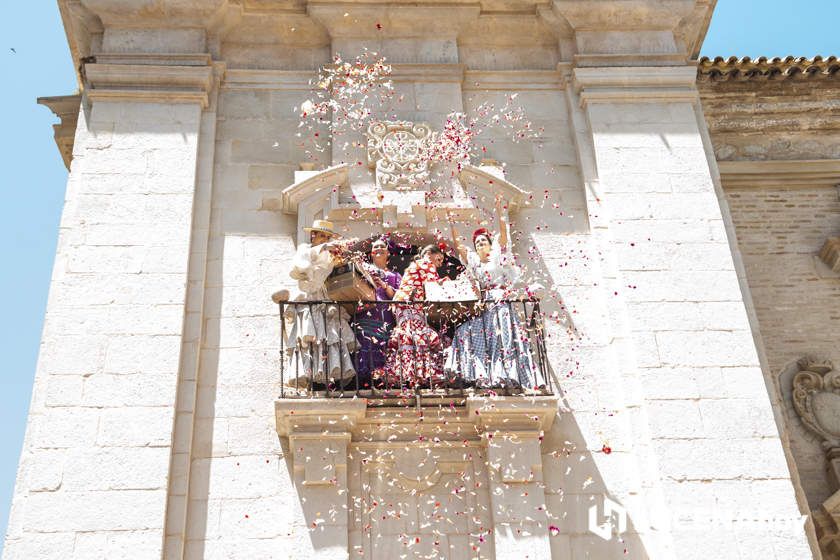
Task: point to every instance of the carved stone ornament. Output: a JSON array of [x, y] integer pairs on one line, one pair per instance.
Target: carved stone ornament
[[830, 253], [816, 397], [396, 150]]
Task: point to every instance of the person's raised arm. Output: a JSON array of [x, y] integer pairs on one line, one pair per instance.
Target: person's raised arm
[[503, 234]]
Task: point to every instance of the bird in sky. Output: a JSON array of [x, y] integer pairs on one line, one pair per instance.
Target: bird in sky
[[13, 50]]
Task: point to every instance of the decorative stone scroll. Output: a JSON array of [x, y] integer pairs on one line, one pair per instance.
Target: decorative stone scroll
[[395, 150], [816, 397], [830, 253]]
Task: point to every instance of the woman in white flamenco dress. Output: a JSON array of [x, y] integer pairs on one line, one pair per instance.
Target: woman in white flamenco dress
[[319, 338], [494, 348]]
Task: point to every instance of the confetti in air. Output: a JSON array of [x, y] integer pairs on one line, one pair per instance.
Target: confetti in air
[[348, 96]]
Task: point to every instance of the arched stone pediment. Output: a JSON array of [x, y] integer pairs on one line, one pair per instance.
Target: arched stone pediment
[[471, 193]]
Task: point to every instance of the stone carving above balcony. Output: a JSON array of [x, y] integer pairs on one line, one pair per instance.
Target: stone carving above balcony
[[396, 151], [407, 192]]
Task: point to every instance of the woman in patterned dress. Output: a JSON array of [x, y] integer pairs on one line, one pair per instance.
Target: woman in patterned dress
[[493, 349], [415, 357]]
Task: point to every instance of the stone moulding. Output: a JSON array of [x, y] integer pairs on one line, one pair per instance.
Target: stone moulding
[[823, 173], [183, 79], [485, 414], [513, 80], [656, 84], [518, 416], [293, 195], [275, 80]]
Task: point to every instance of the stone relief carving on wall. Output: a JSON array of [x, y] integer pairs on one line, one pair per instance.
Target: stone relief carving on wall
[[816, 398], [396, 151], [830, 253]]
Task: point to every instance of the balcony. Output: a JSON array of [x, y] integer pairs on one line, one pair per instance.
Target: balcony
[[509, 343]]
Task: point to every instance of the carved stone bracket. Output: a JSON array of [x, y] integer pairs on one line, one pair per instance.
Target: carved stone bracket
[[65, 107], [396, 150], [830, 253]]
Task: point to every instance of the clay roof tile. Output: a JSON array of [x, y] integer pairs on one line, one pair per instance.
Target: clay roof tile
[[762, 68]]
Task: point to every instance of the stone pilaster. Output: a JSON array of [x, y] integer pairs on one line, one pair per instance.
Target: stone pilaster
[[319, 434], [512, 431], [95, 467], [661, 216]]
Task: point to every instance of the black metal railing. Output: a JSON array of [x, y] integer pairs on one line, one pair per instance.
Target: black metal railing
[[486, 348]]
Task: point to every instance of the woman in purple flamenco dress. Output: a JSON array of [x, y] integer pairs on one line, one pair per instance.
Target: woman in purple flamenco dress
[[374, 321]]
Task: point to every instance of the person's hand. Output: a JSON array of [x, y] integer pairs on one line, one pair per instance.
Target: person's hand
[[379, 282]]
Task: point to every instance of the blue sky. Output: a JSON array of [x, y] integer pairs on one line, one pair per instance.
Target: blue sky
[[33, 176]]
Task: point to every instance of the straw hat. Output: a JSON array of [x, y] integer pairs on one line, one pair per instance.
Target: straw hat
[[324, 226]]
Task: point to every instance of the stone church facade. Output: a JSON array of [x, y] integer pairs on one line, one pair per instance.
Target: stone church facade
[[685, 214]]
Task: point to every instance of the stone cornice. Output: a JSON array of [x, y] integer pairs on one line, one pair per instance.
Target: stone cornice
[[635, 85], [168, 13], [521, 416], [403, 72], [585, 15], [393, 20], [779, 174], [186, 79], [764, 69], [321, 181], [513, 80], [665, 32], [318, 416], [65, 107], [241, 78]]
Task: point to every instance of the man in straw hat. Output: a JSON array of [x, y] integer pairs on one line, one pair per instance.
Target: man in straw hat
[[319, 337]]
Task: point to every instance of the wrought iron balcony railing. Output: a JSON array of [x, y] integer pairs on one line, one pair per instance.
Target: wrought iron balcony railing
[[484, 348]]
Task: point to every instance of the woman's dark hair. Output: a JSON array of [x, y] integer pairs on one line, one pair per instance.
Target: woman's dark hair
[[430, 249]]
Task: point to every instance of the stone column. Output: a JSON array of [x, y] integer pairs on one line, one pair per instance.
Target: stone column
[[512, 431], [319, 431], [96, 460]]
